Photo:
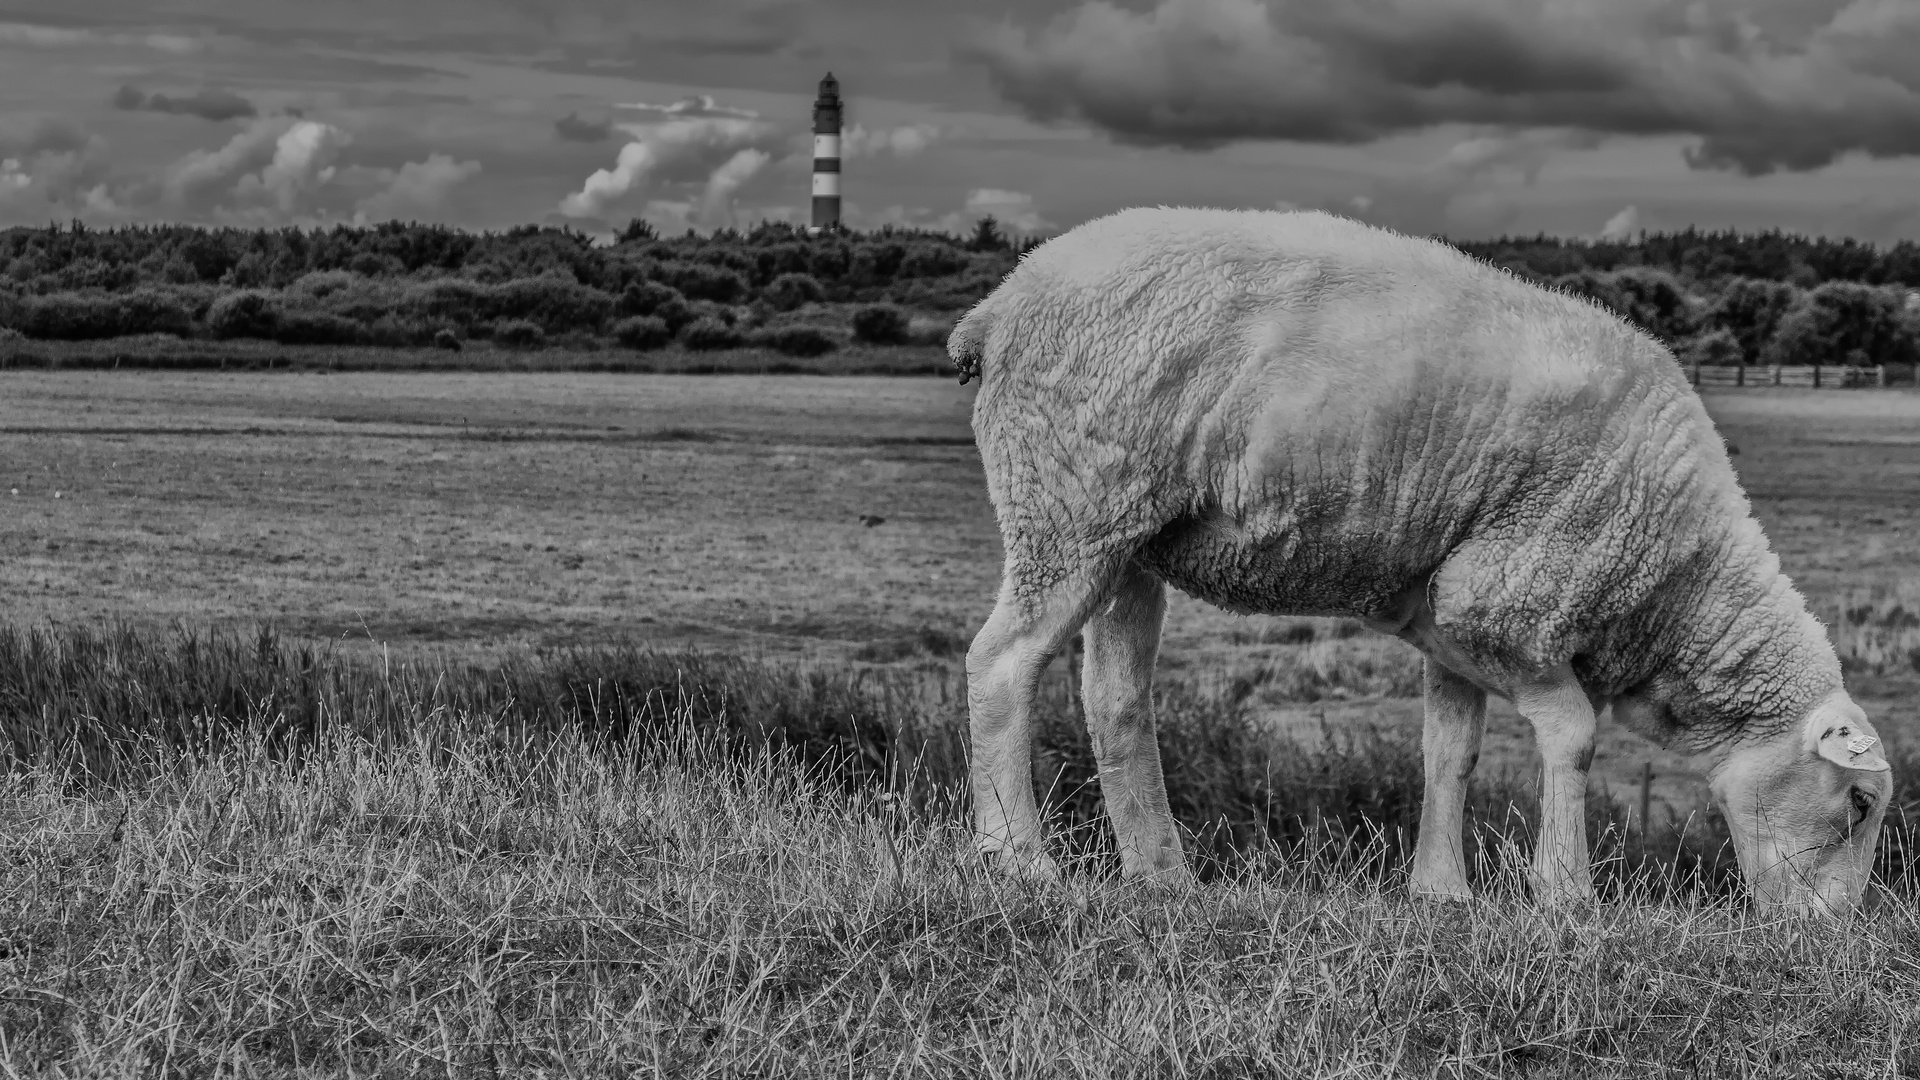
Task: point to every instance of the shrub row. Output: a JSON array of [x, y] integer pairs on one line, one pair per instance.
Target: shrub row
[[778, 265], [341, 308], [1754, 321]]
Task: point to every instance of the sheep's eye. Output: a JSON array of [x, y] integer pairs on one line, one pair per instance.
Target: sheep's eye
[[1862, 805]]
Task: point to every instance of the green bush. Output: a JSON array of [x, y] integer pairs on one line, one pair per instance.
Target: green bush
[[642, 332], [924, 260], [1751, 309], [796, 340], [323, 283], [243, 313], [90, 316], [700, 281], [1716, 346], [519, 334], [1845, 322], [301, 326], [707, 333], [376, 264], [1655, 301], [72, 316], [155, 311], [653, 298], [446, 339], [398, 332], [554, 302], [789, 291], [880, 324]]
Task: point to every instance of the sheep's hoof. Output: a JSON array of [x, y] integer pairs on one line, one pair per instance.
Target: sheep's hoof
[[1440, 891], [1034, 866], [1561, 896]]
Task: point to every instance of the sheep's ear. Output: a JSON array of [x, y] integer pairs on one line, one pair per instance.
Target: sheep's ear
[[1848, 745]]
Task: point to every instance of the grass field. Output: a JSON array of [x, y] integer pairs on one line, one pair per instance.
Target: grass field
[[165, 352], [462, 895], [443, 545], [484, 511]]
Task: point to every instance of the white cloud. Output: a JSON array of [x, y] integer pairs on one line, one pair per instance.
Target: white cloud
[[274, 169], [903, 141], [416, 191], [1014, 210], [98, 200], [200, 178], [302, 161], [34, 35], [716, 203], [46, 165], [697, 105], [696, 144], [1624, 225]]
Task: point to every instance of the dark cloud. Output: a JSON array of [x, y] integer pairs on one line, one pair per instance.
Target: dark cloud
[[207, 104], [1791, 91], [575, 128], [22, 138], [752, 28]]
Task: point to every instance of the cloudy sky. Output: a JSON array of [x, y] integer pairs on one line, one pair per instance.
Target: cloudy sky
[[1467, 117]]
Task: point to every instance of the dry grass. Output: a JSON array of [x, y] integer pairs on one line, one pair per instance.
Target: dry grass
[[466, 903]]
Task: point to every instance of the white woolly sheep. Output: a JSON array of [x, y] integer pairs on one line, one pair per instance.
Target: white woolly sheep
[[1300, 414]]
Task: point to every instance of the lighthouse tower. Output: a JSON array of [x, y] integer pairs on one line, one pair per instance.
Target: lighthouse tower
[[826, 155]]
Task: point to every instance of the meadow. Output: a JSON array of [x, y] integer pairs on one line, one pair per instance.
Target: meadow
[[597, 724]]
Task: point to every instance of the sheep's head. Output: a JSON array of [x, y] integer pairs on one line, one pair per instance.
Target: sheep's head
[[1804, 807]]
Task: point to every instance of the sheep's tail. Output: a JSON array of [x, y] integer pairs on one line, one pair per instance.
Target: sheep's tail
[[967, 345]]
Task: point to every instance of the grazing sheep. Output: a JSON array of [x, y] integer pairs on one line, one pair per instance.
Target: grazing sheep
[[1299, 414]]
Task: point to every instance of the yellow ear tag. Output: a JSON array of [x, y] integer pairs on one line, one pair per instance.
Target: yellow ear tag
[[1860, 744]]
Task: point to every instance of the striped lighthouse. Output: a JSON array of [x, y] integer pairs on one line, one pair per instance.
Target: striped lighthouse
[[826, 155]]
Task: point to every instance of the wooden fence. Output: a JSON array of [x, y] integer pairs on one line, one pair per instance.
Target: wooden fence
[[1816, 376]]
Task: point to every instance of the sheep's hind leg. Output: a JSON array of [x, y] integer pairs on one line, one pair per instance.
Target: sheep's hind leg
[[1029, 624], [1456, 719], [1563, 727], [1123, 640]]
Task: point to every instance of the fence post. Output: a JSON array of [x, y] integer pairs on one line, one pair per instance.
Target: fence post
[[1773, 374], [1740, 375], [1816, 376], [1693, 374], [1880, 375]]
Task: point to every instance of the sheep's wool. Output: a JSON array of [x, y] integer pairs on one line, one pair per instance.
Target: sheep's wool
[[1297, 413]]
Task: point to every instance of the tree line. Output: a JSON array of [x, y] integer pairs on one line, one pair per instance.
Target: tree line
[[1716, 297]]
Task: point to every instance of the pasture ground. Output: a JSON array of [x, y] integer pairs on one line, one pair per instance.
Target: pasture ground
[[456, 903], [468, 903]]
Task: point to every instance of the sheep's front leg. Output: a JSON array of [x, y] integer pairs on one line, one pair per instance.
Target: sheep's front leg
[[1456, 720], [1563, 726], [1004, 665], [1123, 640]]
